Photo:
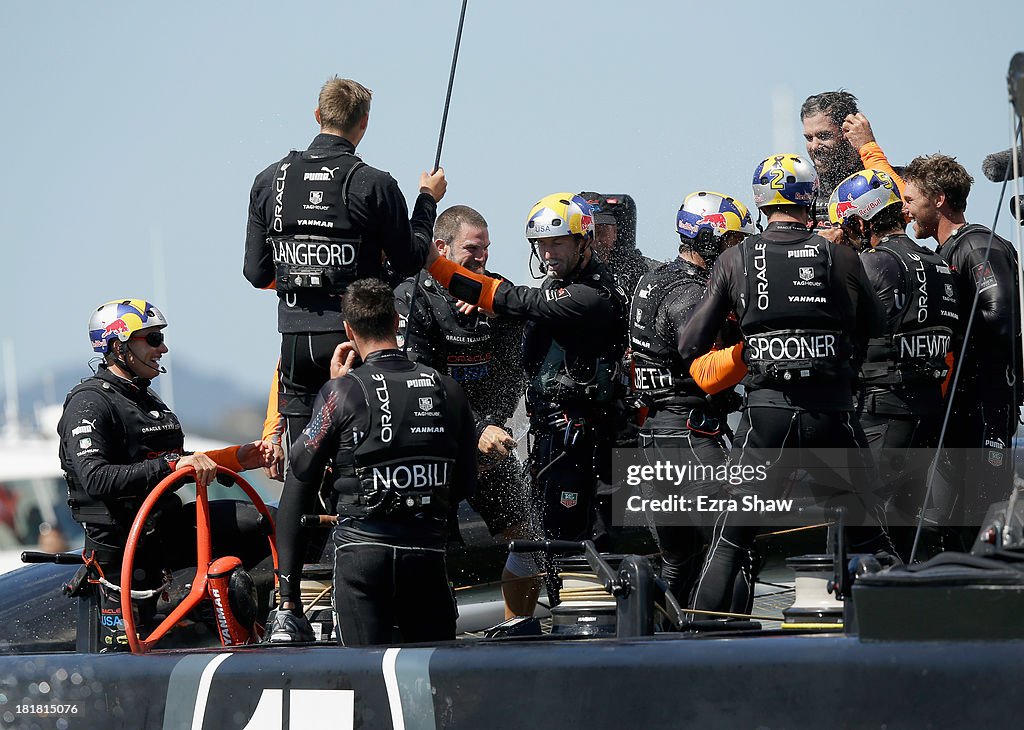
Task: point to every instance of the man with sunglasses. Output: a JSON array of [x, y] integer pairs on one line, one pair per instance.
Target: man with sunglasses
[[118, 440]]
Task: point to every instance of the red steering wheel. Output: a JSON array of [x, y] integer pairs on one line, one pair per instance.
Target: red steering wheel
[[207, 569]]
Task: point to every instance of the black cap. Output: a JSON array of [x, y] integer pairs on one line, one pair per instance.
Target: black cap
[[599, 207]]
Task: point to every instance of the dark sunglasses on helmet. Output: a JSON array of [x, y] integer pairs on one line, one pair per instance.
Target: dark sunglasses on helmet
[[153, 339]]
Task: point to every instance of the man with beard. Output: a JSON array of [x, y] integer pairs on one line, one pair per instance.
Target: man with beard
[[985, 390], [839, 142], [482, 354], [572, 348], [901, 377]]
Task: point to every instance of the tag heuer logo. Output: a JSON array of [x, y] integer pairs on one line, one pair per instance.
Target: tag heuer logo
[[569, 499], [426, 404], [995, 458], [806, 273], [316, 197], [949, 290]]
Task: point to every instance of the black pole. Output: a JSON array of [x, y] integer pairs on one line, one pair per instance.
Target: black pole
[[451, 83], [437, 164]]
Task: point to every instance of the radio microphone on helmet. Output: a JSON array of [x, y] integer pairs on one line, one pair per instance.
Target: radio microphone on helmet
[[998, 166]]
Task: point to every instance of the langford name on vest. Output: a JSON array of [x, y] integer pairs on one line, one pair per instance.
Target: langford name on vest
[[305, 253]]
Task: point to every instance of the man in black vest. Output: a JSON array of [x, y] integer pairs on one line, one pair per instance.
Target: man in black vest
[[806, 311], [986, 386], [482, 354], [117, 441], [401, 439], [901, 378], [681, 418], [319, 220], [574, 341]]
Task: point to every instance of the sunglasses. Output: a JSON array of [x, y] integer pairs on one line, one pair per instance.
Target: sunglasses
[[153, 339]]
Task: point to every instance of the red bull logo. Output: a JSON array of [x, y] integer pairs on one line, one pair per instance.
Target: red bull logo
[[845, 206], [715, 220], [117, 327]]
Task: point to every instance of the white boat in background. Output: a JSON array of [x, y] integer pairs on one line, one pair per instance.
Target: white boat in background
[[34, 512]]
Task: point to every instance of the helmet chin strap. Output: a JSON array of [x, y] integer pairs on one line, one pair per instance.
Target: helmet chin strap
[[541, 266]]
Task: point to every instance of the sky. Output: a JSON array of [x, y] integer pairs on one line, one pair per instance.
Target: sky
[[132, 131]]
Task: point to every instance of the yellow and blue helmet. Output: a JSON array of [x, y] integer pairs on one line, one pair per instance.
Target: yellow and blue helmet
[[785, 179], [560, 214], [864, 195], [715, 212], [120, 319], [748, 222]]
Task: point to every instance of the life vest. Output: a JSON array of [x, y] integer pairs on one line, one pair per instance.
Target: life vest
[[657, 374], [916, 349], [792, 330], [569, 379], [315, 245], [148, 430], [469, 340], [405, 465]]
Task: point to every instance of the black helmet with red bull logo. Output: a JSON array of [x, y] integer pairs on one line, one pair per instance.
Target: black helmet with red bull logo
[[119, 320]]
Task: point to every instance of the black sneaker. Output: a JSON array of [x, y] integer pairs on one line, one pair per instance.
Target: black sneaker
[[290, 627]]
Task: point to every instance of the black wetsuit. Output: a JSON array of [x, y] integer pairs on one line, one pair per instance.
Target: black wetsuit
[[788, 288], [116, 441], [483, 355], [988, 387], [396, 431], [323, 218], [901, 377], [627, 265], [572, 346], [683, 425]]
